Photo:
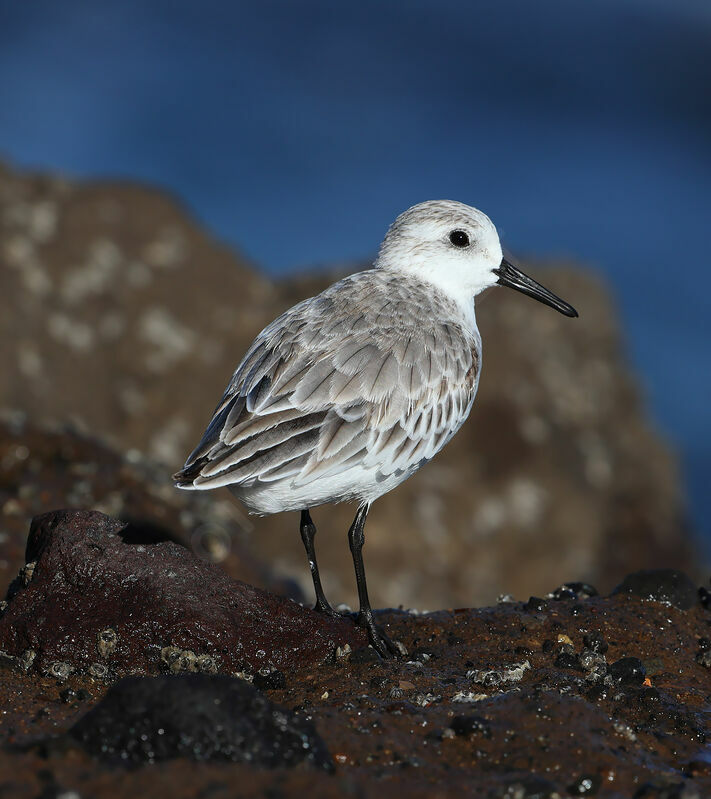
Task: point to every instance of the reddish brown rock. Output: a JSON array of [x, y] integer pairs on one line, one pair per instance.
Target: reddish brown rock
[[95, 599], [583, 696]]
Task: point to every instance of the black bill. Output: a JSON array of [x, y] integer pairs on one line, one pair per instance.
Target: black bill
[[515, 279]]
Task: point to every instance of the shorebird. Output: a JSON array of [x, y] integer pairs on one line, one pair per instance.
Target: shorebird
[[350, 392]]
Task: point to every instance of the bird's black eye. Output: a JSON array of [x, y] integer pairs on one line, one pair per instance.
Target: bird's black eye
[[459, 238]]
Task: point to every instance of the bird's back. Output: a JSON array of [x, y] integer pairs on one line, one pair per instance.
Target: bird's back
[[342, 397]]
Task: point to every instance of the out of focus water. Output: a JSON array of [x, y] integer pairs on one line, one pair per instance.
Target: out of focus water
[[297, 131]]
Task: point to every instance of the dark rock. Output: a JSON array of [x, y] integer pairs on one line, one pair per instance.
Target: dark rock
[[471, 725], [535, 604], [199, 717], [365, 654], [165, 608], [678, 790], [594, 640], [661, 585], [269, 680], [567, 660], [574, 591], [628, 671], [703, 658]]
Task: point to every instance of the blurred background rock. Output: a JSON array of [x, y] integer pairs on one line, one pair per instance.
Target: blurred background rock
[[295, 133], [120, 316]]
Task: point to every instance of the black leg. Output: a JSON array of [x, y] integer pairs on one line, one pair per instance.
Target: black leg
[[308, 533], [356, 538]]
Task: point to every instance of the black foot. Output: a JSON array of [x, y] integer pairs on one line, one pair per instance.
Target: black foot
[[377, 638], [322, 606]]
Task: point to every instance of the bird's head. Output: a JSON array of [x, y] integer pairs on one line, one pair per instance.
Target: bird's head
[[456, 248]]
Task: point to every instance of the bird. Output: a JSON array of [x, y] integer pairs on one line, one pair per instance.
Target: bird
[[348, 393]]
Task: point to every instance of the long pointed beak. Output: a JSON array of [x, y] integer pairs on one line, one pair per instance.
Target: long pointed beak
[[515, 279]]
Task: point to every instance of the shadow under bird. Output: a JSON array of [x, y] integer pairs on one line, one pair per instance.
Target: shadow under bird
[[349, 393]]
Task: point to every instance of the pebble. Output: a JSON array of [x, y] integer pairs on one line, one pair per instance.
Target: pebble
[[198, 717], [466, 725], [628, 671], [595, 642], [661, 585]]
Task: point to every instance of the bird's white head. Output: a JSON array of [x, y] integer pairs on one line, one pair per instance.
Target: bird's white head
[[456, 248]]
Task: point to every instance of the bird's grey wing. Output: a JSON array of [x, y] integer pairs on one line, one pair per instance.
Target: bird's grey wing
[[331, 384], [431, 376]]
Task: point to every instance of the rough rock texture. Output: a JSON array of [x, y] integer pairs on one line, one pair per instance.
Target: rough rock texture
[[198, 717], [94, 599], [577, 696], [119, 313], [45, 467]]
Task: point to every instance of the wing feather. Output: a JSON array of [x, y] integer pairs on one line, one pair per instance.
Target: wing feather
[[365, 374]]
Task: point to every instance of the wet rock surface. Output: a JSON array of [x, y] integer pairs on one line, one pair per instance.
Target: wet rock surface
[[583, 695], [100, 602], [119, 313], [199, 717]]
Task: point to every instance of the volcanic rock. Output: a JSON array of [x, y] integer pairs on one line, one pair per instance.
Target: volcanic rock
[[199, 717], [100, 602]]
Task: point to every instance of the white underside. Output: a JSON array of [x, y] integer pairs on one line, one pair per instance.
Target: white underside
[[358, 484]]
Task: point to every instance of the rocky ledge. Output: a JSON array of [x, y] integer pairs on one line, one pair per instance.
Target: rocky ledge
[[132, 667]]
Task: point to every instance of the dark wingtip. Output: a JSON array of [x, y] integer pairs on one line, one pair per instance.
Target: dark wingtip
[[185, 478]]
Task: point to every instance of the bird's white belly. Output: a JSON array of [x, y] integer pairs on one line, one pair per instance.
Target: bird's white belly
[[358, 484]]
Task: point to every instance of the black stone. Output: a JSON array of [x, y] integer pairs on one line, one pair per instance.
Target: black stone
[[574, 591], [661, 585], [628, 671], [594, 640], [535, 604], [365, 654], [567, 660], [471, 725], [198, 717], [269, 680]]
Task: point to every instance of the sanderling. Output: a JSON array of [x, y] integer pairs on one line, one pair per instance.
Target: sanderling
[[349, 393]]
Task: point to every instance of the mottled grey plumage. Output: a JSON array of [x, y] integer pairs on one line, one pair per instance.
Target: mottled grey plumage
[[376, 372], [347, 394]]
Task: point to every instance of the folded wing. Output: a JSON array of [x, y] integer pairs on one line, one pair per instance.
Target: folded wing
[[358, 375]]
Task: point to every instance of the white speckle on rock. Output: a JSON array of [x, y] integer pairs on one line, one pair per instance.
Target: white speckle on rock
[[95, 275], [170, 340], [468, 696], [130, 398], [489, 516], [526, 502], [43, 220], [168, 250], [76, 335], [28, 361], [168, 444]]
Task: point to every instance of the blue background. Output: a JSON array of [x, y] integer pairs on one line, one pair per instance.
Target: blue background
[[298, 130]]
